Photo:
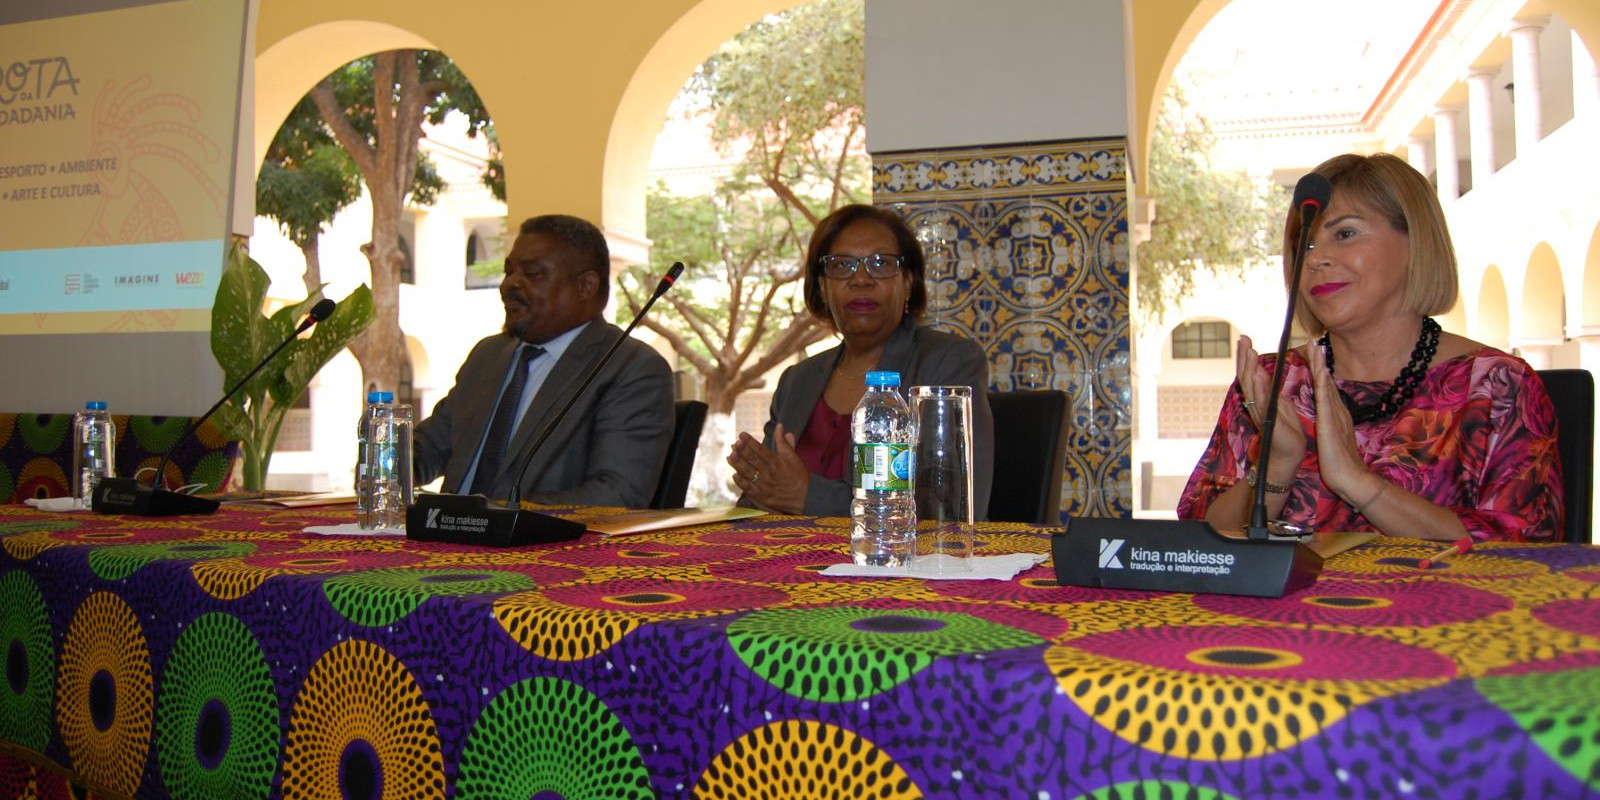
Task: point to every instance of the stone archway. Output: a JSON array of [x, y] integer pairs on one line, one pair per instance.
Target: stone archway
[[1590, 318], [1544, 301], [1493, 318]]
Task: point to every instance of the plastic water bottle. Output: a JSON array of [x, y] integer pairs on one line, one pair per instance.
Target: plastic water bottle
[[93, 443], [363, 477], [389, 463], [883, 515]]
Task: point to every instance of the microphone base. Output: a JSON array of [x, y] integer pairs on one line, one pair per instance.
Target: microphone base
[[128, 496], [1178, 556], [469, 519]]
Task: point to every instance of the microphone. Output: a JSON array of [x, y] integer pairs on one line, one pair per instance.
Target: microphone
[[128, 496], [1310, 197], [469, 519], [1189, 555]]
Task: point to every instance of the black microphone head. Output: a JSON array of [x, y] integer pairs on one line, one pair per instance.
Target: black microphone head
[[1314, 189], [677, 270], [321, 310]]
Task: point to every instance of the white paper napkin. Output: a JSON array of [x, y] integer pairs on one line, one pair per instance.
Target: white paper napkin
[[353, 529], [55, 503], [984, 568]]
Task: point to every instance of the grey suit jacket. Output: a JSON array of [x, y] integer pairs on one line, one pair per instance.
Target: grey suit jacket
[[608, 450], [922, 356]]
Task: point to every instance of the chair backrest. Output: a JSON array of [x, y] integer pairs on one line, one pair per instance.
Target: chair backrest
[[1030, 450], [1572, 393], [674, 483]]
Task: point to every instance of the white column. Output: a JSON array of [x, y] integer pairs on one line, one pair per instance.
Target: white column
[[1480, 125], [1448, 178], [1417, 154], [1528, 93], [1585, 80]]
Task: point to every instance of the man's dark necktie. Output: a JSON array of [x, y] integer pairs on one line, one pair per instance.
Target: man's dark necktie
[[504, 422]]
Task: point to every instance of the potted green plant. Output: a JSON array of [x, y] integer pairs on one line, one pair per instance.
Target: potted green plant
[[242, 335]]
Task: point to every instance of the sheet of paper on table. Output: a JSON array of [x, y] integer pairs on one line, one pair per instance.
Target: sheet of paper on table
[[662, 519]]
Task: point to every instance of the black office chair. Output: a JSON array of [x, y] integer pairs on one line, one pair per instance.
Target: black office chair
[[1572, 393], [674, 483], [1030, 450]]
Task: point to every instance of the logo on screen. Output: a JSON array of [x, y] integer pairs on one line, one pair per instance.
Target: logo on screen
[[193, 278], [74, 284], [35, 90], [1108, 553]]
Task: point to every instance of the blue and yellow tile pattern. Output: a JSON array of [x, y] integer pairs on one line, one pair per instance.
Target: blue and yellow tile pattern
[[1027, 250]]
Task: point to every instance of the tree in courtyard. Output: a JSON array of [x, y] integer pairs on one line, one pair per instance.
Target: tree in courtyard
[[374, 108], [1206, 220], [785, 99]]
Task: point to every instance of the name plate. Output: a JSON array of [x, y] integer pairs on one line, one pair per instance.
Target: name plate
[[1178, 556], [469, 519], [128, 496]]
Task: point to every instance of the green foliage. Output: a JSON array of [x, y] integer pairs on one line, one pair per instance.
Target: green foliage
[[787, 92], [1206, 220], [241, 336]]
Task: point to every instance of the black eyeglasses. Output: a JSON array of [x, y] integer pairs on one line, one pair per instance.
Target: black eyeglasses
[[879, 265]]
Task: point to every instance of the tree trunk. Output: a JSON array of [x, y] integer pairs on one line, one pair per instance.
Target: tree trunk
[[313, 273], [712, 482]]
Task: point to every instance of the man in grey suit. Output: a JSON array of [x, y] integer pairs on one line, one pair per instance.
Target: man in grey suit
[[609, 449]]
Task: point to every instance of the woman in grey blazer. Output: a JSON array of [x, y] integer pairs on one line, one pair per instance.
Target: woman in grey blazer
[[864, 277]]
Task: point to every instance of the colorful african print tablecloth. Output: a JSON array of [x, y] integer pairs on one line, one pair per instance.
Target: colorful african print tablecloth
[[234, 656]]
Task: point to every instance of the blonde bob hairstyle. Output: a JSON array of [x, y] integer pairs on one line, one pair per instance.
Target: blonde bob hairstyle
[[1401, 195]]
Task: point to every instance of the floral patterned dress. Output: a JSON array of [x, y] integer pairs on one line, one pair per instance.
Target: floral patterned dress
[[1478, 437]]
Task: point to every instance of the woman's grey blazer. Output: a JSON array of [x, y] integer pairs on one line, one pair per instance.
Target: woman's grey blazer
[[923, 357]]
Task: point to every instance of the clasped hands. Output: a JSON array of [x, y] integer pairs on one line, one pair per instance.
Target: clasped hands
[[1338, 458], [774, 479]]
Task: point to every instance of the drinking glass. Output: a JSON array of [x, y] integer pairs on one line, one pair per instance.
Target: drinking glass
[[943, 481]]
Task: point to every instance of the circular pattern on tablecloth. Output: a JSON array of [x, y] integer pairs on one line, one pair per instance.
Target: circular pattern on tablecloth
[[157, 434], [8, 482], [787, 568], [104, 694], [1585, 574], [1258, 690], [802, 758], [360, 728], [232, 578], [1045, 624], [576, 621], [385, 596], [847, 653], [1576, 615], [217, 719], [1035, 585], [1366, 604], [783, 537], [547, 737], [1155, 790], [30, 663], [43, 477], [116, 562], [647, 554], [1560, 711], [44, 432], [1401, 560]]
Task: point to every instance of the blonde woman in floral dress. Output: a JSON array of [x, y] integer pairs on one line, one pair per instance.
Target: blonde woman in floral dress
[[1386, 423]]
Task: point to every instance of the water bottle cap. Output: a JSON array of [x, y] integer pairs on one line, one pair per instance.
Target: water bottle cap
[[95, 405], [883, 379], [386, 397], [374, 397]]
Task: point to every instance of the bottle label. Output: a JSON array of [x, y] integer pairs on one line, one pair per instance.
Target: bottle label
[[883, 466]]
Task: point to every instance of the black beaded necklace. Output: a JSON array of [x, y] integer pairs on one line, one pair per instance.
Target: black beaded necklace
[[1404, 386]]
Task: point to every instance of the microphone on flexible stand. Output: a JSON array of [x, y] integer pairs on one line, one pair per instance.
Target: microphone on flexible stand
[[1264, 560], [1310, 197], [469, 519], [128, 496]]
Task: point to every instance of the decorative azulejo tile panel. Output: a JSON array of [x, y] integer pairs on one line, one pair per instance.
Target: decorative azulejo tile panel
[[1027, 250]]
